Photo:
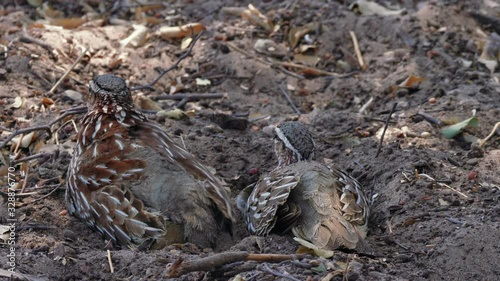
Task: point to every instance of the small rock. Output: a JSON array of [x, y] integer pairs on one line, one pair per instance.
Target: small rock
[[3, 72], [425, 134], [270, 48], [472, 161], [73, 95]]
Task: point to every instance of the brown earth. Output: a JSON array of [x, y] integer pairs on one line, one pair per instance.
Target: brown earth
[[446, 229]]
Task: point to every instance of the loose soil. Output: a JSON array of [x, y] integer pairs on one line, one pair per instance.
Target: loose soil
[[447, 229]]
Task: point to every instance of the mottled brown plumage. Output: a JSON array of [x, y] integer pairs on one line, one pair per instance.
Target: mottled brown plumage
[[131, 182], [320, 204]]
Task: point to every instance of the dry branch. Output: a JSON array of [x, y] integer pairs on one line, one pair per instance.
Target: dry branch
[[181, 267]]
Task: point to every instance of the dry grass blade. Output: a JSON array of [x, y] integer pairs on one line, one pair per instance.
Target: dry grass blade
[[80, 57]]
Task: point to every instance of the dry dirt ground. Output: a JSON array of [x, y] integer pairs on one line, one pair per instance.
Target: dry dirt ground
[[421, 229]]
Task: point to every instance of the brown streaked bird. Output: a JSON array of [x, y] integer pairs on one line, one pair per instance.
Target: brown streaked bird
[[320, 204], [131, 182]]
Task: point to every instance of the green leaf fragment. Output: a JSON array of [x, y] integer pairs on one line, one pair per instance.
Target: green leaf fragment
[[453, 130]]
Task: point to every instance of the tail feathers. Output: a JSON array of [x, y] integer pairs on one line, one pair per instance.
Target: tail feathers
[[331, 233], [122, 218]]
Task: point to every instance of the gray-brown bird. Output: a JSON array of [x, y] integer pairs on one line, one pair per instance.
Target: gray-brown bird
[[131, 182], [320, 204]]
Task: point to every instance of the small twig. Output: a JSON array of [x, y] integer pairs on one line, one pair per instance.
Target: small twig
[[366, 105], [493, 132], [265, 268], [385, 128], [357, 50], [18, 144], [68, 112], [24, 131], [189, 96], [429, 118], [443, 184], [28, 39], [25, 183], [180, 267], [318, 71], [35, 227], [346, 270], [455, 221], [29, 158], [80, 57], [289, 99], [111, 268], [174, 66], [41, 198]]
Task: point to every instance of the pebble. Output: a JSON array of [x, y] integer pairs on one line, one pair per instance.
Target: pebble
[[472, 161], [425, 134], [432, 100], [73, 95]]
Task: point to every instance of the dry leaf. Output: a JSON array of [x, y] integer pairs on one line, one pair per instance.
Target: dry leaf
[[48, 13], [146, 103], [47, 102], [319, 252], [443, 202], [203, 82], [186, 42], [257, 18], [25, 142], [18, 102], [306, 60], [173, 114], [137, 38], [296, 33], [173, 32], [68, 23], [412, 82]]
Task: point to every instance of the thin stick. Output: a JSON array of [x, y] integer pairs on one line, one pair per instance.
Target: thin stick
[[443, 184], [385, 128], [41, 198], [189, 96], [24, 131], [357, 50], [28, 39], [180, 267], [346, 270], [174, 66], [493, 132], [289, 99], [80, 57], [18, 144], [319, 71], [366, 105], [430, 118], [111, 268], [265, 268], [25, 178]]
